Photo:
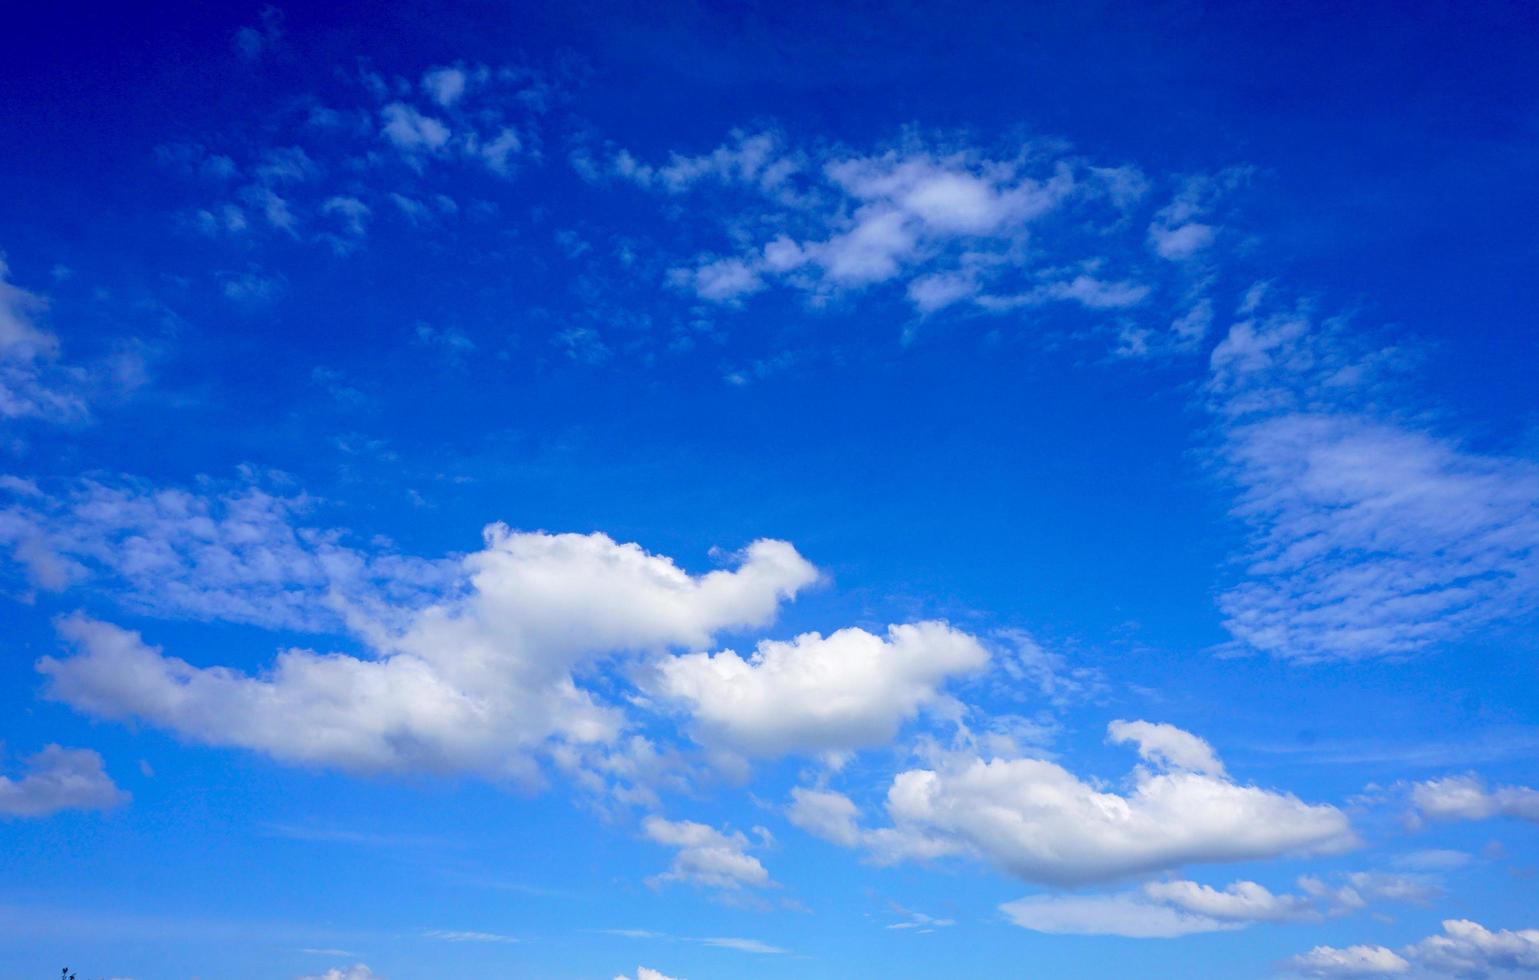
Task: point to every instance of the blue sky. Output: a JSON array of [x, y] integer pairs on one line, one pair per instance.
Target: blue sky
[[769, 491]]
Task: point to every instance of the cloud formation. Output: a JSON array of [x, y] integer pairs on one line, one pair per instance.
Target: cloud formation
[[706, 856], [943, 223], [1038, 821], [1467, 798], [1462, 949], [481, 679], [849, 690], [238, 554], [1371, 536], [36, 381], [647, 973], [59, 779], [379, 148]]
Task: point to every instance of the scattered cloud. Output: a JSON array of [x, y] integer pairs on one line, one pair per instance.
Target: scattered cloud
[[1467, 798], [236, 553], [36, 382], [1036, 820], [1352, 961], [647, 973], [464, 936], [480, 679], [383, 149], [706, 857], [1131, 915], [743, 945], [849, 690], [1165, 909], [919, 922], [253, 41], [1371, 535], [826, 814], [1463, 949], [946, 224], [59, 779], [357, 971]]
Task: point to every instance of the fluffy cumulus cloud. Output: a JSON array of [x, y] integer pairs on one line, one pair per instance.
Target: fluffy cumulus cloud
[[1167, 745], [848, 690], [945, 224], [706, 856], [1165, 909], [481, 679], [1462, 949], [1370, 535], [1350, 961], [1469, 949], [1468, 798], [59, 779], [1036, 820]]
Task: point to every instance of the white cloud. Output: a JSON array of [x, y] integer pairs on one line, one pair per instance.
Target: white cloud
[[706, 856], [468, 936], [1036, 820], [411, 131], [1370, 536], [1242, 901], [1466, 798], [1181, 230], [1181, 241], [445, 85], [59, 779], [1160, 910], [849, 690], [1468, 949], [1360, 887], [357, 971], [951, 225], [647, 973], [233, 553], [383, 149], [918, 922], [1352, 961], [743, 945], [1026, 659], [1129, 915], [481, 679], [1463, 949], [720, 281], [1167, 745], [826, 814], [35, 381]]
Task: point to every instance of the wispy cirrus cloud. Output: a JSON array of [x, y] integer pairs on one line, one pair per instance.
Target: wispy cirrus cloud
[[1371, 533], [36, 380], [940, 222]]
